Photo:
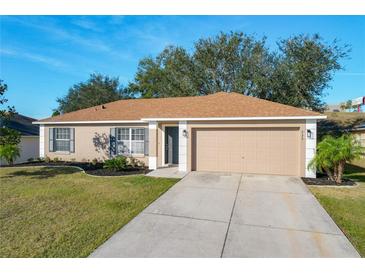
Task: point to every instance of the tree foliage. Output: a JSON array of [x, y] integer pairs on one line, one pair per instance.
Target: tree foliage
[[97, 90], [9, 153], [8, 136], [5, 113], [333, 153], [296, 73]]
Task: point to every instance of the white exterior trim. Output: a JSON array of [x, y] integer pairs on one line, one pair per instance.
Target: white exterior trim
[[237, 118], [145, 120], [183, 146], [41, 141], [163, 164], [310, 146], [91, 122], [152, 125], [152, 160]]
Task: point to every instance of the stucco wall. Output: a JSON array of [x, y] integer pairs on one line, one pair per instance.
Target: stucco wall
[[29, 148], [91, 142], [360, 135]]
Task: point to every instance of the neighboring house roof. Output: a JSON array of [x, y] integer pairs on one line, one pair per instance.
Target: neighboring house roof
[[21, 123], [217, 105]]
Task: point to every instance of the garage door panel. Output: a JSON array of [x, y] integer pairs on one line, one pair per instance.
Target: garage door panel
[[261, 151]]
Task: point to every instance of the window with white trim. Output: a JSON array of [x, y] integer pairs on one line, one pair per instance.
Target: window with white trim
[[130, 141], [62, 139]]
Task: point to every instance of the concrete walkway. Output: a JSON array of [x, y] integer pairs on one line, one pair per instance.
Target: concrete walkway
[[231, 215], [167, 172]]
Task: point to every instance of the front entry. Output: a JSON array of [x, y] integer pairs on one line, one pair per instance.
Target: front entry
[[171, 145]]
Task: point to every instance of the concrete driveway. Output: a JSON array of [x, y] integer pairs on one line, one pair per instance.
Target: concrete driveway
[[231, 215]]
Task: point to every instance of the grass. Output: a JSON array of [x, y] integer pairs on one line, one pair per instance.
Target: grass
[[347, 205], [339, 122], [344, 117], [62, 212]]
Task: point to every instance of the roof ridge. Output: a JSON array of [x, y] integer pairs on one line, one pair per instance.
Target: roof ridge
[[217, 104]]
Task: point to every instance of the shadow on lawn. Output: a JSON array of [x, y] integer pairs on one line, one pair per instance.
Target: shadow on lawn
[[43, 173], [355, 172]]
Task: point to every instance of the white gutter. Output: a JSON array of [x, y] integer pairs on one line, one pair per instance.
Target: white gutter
[[146, 120], [90, 122], [237, 118]]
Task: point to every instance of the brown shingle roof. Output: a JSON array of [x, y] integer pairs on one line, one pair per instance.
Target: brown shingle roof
[[220, 104]]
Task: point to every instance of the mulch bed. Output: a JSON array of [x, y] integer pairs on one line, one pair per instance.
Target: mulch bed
[[108, 172], [89, 168], [323, 180]]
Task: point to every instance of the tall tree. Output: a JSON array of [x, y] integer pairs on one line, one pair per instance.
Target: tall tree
[[5, 113], [296, 73], [97, 90], [169, 74], [305, 68], [9, 138]]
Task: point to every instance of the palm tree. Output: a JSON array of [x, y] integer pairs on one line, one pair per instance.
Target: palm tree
[[333, 153], [9, 152]]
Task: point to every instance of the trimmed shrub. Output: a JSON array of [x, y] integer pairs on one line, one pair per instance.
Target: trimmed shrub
[[9, 153], [118, 163], [333, 153]]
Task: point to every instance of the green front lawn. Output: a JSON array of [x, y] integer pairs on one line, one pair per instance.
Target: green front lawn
[[62, 212], [347, 205]]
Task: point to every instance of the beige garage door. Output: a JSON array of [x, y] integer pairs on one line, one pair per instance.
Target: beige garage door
[[259, 151]]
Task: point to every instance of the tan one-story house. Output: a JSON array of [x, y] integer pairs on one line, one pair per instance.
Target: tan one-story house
[[226, 132]]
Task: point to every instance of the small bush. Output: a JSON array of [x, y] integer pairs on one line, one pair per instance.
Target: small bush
[[40, 159], [56, 159], [47, 159], [94, 162], [118, 163], [9, 153], [333, 154], [30, 160], [72, 160], [135, 163]]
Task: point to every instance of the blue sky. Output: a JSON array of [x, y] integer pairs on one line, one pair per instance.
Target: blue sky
[[42, 56]]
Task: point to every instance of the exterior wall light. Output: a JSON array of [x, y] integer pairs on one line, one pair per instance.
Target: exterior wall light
[[185, 133], [309, 134]]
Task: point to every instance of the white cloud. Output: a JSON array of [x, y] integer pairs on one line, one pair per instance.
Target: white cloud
[[49, 25], [85, 23], [34, 57]]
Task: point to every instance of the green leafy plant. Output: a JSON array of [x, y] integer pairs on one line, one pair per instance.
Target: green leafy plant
[[94, 162], [135, 163], [56, 159], [297, 72], [30, 159], [9, 153], [333, 153], [9, 136], [47, 159], [118, 163]]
